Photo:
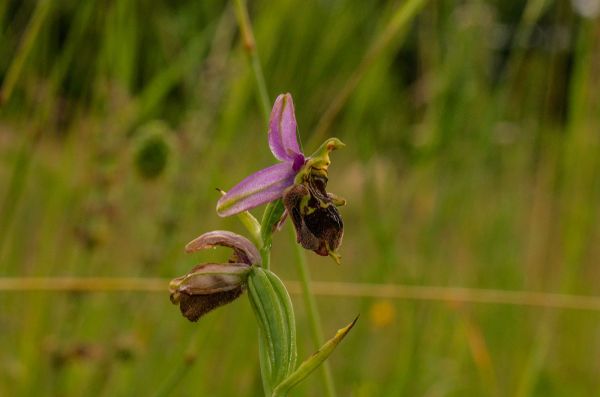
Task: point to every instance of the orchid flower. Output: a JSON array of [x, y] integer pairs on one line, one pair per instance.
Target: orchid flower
[[210, 285], [299, 180], [269, 184]]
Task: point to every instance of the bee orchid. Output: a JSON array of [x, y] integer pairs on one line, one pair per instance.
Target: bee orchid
[[210, 285], [298, 179]]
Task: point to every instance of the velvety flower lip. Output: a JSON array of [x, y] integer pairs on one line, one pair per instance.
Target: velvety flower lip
[[269, 183], [319, 226]]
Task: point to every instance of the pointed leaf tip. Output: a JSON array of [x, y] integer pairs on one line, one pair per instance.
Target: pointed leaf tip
[[313, 362]]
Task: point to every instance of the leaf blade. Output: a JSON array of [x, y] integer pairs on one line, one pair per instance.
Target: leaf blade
[[313, 362]]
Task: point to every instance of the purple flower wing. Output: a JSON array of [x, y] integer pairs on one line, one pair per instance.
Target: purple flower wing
[[259, 188], [283, 139]]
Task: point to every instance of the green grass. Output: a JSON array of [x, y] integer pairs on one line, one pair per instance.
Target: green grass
[[472, 159]]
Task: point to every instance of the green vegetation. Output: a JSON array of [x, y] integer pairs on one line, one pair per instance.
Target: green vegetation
[[472, 160]]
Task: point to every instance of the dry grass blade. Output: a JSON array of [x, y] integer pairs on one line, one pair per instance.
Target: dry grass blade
[[323, 288]]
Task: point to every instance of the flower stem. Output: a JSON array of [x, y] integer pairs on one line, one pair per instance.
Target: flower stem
[[241, 12], [313, 314]]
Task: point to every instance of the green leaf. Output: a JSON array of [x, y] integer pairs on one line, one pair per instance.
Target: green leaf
[[312, 363], [286, 304], [272, 307]]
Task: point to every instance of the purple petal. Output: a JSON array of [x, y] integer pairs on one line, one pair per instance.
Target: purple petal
[[259, 188], [283, 139], [243, 248]]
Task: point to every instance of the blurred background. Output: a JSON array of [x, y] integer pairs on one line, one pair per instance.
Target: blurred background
[[472, 160]]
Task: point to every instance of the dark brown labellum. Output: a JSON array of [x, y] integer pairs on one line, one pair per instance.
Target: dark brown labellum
[[195, 306], [319, 226]]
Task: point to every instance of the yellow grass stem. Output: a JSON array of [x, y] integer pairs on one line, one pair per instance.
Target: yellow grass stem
[[322, 288]]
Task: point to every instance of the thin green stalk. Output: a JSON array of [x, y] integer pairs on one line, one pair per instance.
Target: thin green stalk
[[31, 33], [21, 165], [265, 254], [176, 376], [265, 235], [393, 32], [260, 83], [16, 185], [241, 13], [313, 313]]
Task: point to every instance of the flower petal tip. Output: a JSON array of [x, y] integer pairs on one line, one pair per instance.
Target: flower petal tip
[[245, 251], [283, 138], [221, 208], [334, 144]]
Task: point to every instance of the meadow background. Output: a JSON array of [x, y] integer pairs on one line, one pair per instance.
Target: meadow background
[[472, 160]]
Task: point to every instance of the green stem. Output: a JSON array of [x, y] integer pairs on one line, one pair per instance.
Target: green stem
[[265, 253], [313, 314], [271, 217], [241, 13], [309, 300], [247, 35], [262, 86], [16, 185], [178, 374], [387, 41], [29, 38]]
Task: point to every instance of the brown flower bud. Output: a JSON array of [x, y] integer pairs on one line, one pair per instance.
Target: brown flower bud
[[211, 285], [207, 287]]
